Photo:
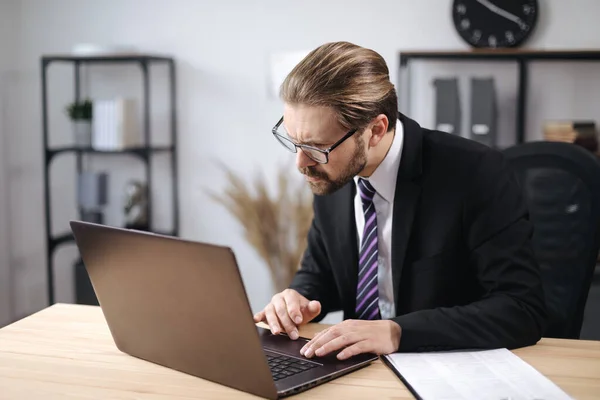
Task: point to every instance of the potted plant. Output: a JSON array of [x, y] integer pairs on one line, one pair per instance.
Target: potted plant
[[275, 225], [80, 114]]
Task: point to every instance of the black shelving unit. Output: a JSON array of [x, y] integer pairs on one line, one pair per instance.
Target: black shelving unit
[[144, 153], [520, 56]]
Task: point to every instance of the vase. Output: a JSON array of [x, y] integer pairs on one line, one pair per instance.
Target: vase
[[82, 131]]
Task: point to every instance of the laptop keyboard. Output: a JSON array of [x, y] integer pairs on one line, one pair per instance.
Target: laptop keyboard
[[284, 367]]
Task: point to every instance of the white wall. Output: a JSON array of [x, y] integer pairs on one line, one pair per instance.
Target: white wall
[[8, 24], [225, 110]]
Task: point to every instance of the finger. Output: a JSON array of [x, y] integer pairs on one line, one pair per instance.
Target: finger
[[363, 346], [294, 301], [259, 316], [272, 319], [313, 340], [312, 310], [338, 343], [317, 342], [346, 327], [281, 310]]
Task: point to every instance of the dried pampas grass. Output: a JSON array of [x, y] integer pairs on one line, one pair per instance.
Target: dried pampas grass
[[276, 226]]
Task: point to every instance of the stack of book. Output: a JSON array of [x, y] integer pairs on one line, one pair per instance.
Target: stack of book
[[583, 133], [115, 125]]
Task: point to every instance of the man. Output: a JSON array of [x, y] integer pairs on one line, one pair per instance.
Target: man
[[420, 237]]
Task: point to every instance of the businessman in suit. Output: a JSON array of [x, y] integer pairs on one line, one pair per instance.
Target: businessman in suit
[[422, 238]]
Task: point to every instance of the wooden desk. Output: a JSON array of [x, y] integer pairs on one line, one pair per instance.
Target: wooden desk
[[66, 352]]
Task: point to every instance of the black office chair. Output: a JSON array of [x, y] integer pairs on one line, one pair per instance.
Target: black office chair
[[561, 184]]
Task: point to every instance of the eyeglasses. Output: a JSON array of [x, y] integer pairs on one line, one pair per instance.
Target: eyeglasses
[[314, 153]]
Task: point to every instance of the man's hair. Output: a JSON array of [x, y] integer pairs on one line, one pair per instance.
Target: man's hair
[[352, 80]]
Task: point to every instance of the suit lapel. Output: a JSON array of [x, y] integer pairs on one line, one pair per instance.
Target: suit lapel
[[345, 223], [407, 195], [405, 198]]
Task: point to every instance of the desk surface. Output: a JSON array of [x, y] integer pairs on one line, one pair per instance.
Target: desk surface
[[66, 351]]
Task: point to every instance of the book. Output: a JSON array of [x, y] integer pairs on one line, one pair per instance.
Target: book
[[115, 125]]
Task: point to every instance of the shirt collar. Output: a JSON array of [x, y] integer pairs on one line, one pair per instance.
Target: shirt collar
[[384, 177]]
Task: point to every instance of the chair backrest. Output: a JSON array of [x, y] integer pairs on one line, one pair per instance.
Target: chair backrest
[[561, 184]]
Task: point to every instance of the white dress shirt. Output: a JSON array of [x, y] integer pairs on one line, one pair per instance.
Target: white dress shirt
[[383, 181]]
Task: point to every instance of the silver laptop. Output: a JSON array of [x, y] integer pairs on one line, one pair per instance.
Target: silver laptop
[[182, 304]]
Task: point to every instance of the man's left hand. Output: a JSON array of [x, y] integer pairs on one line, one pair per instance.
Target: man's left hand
[[355, 337]]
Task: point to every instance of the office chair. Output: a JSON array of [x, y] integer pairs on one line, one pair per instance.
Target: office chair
[[561, 184]]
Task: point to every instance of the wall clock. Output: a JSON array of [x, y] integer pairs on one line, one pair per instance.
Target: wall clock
[[495, 23]]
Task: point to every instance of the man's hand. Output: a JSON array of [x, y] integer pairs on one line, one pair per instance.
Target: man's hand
[[355, 337], [287, 311]]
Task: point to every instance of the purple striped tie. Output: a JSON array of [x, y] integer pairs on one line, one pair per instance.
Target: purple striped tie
[[367, 296]]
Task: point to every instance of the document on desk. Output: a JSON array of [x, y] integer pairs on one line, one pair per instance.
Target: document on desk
[[487, 374]]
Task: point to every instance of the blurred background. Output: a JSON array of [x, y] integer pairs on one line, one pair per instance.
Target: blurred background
[[151, 114]]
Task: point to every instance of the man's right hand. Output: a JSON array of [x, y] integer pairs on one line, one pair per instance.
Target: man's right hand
[[287, 311]]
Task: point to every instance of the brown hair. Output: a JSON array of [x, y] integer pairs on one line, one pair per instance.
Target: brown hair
[[352, 80]]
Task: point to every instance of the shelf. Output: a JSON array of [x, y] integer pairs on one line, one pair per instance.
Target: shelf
[[118, 58], [61, 239], [143, 153], [521, 56], [138, 151], [502, 54]]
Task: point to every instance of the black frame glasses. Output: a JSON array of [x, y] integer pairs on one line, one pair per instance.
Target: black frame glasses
[[314, 153]]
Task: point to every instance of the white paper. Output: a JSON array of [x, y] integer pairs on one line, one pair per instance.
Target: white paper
[[489, 374]]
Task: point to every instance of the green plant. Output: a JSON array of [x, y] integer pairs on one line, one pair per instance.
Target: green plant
[[79, 111]]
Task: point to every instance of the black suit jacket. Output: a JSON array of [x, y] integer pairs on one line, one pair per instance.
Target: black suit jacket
[[463, 269]]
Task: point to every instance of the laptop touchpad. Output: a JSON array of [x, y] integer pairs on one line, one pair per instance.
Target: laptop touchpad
[[283, 344]]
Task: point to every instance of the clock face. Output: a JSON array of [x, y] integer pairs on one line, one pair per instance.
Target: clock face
[[495, 23]]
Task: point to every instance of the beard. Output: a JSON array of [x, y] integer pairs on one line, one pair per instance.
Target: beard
[[327, 185]]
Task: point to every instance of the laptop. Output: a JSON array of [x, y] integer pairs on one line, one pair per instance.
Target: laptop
[[182, 304]]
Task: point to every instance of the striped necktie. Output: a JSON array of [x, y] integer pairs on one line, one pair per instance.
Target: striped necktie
[[367, 296]]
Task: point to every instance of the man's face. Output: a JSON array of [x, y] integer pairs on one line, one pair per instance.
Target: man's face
[[318, 127]]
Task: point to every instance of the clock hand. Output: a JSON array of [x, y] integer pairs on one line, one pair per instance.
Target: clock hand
[[495, 9]]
